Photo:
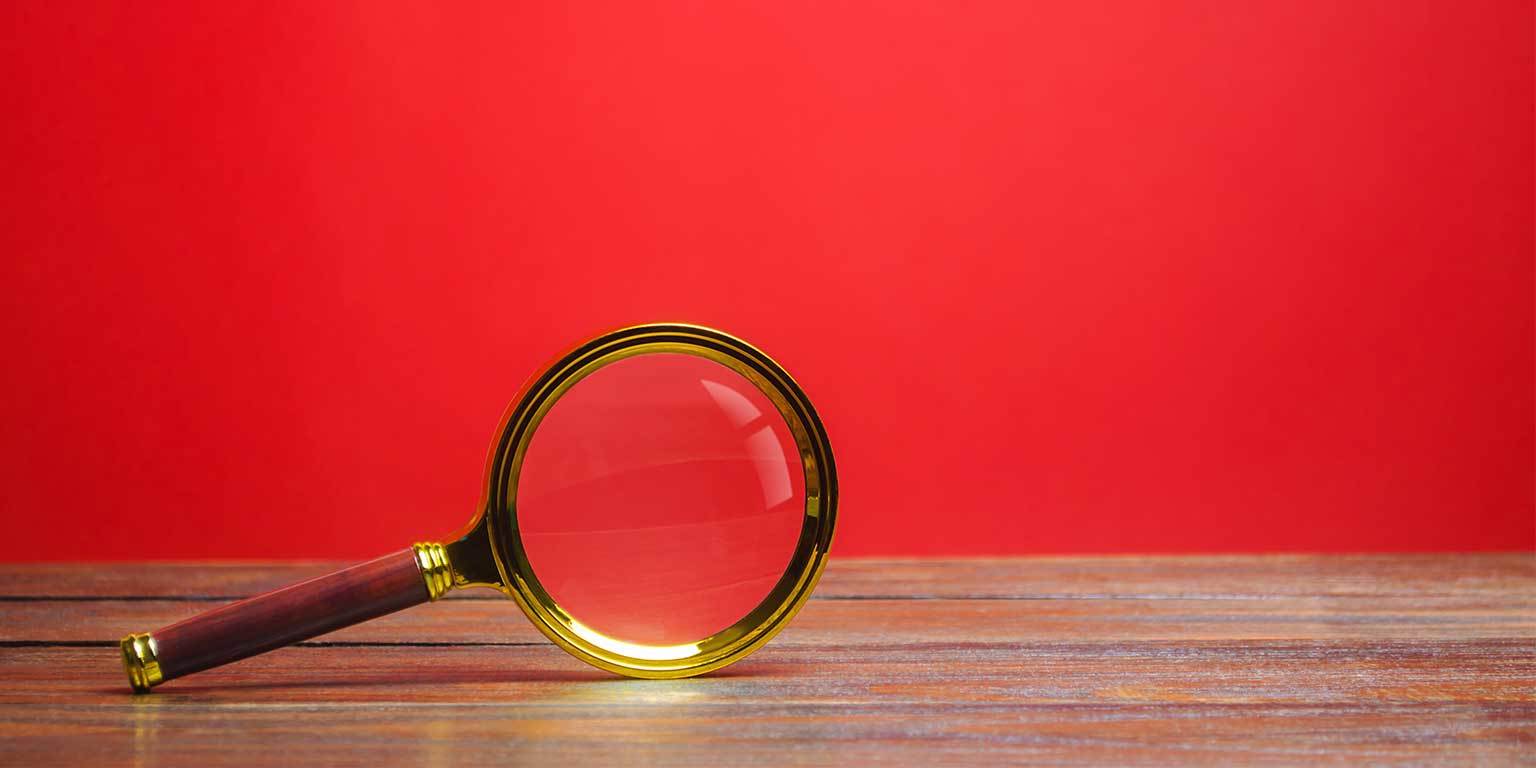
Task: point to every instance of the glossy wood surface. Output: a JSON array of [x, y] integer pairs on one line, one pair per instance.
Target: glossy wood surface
[[289, 614], [1286, 660]]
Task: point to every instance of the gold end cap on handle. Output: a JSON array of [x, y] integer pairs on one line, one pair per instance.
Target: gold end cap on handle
[[141, 661], [436, 571]]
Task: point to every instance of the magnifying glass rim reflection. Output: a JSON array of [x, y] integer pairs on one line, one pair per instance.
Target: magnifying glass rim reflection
[[783, 601]]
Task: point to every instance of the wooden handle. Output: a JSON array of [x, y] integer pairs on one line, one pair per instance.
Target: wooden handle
[[275, 619]]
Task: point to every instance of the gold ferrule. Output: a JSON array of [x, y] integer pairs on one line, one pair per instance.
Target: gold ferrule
[[436, 571], [141, 662]]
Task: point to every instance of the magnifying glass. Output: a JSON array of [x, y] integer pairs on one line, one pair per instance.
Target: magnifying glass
[[659, 502]]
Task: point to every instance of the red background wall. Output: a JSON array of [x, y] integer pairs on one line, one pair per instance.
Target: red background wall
[[1061, 277]]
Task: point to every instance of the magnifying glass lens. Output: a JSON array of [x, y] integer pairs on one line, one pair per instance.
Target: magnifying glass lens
[[660, 499]]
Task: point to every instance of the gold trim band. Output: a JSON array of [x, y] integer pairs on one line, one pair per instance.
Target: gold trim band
[[436, 571], [141, 661]]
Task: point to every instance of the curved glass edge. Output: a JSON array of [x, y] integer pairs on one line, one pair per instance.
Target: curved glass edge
[[783, 601]]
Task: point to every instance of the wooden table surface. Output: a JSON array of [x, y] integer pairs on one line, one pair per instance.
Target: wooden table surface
[[1171, 660]]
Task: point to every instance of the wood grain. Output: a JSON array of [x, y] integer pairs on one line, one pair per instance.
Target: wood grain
[[1089, 577], [1238, 660], [289, 614]]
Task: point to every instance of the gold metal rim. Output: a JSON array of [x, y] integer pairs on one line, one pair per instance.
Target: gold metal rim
[[783, 601], [436, 572], [141, 661]]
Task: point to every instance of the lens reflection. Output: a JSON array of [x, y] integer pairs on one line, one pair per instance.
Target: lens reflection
[[660, 499]]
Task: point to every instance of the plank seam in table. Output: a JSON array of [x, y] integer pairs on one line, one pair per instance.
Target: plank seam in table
[[1072, 660]]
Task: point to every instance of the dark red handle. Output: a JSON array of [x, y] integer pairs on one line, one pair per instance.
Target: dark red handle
[[275, 619]]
